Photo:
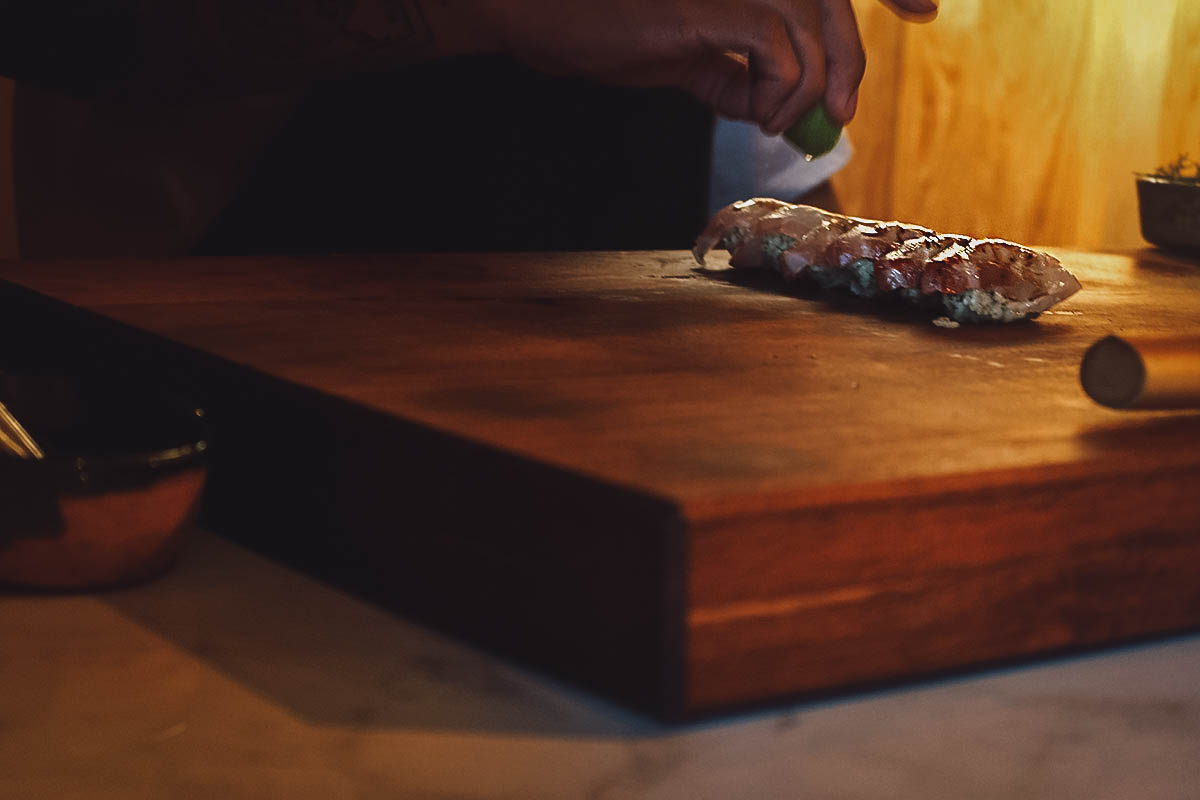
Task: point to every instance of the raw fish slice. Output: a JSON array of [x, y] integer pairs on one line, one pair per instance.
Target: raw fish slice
[[772, 234], [974, 280], [905, 266], [735, 224], [813, 247], [873, 240]]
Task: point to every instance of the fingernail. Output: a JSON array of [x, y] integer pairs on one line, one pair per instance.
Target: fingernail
[[852, 105]]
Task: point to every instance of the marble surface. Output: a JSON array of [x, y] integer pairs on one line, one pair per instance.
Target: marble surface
[[233, 677]]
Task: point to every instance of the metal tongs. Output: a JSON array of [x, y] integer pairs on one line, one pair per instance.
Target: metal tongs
[[14, 439]]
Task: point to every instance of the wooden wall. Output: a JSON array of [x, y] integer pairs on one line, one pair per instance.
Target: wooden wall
[[1024, 118], [1017, 118]]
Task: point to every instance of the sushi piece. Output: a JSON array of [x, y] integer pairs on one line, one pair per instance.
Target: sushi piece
[[970, 280]]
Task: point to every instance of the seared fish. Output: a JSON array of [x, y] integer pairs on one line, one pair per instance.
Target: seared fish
[[972, 280]]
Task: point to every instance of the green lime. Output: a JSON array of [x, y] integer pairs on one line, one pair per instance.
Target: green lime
[[815, 133]]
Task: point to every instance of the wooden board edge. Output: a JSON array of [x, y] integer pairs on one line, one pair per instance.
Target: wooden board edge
[[952, 591]]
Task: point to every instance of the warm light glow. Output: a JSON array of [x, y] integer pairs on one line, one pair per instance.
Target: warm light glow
[[1022, 118]]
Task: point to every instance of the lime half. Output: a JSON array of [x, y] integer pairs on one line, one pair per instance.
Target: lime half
[[815, 133]]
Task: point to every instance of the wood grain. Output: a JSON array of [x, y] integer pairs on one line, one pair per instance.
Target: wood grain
[[743, 389], [1181, 95], [621, 452], [937, 583], [1023, 119]]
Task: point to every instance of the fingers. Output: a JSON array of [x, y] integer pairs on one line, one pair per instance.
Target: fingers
[[773, 70], [809, 49], [786, 48], [914, 10], [846, 61], [721, 81]]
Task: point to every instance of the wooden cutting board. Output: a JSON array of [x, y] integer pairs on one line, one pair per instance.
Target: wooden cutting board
[[688, 489]]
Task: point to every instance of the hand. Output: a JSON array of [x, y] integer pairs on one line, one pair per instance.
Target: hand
[[767, 61]]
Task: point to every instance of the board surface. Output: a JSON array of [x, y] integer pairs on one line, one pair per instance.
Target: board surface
[[860, 495]]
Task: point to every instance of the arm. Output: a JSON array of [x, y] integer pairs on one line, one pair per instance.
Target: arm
[[168, 49], [763, 60], [103, 179]]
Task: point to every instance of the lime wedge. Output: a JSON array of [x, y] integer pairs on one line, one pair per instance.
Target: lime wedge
[[815, 133]]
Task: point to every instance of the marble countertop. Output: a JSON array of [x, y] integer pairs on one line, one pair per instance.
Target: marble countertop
[[234, 677]]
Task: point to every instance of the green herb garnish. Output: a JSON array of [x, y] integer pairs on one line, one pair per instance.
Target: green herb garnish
[[1181, 170]]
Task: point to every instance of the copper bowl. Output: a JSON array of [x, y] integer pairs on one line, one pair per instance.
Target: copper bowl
[[1170, 213], [111, 502]]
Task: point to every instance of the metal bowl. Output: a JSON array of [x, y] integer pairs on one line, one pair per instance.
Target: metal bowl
[[1170, 213], [111, 502]]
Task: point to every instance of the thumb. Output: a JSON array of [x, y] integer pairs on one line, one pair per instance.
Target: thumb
[[914, 10]]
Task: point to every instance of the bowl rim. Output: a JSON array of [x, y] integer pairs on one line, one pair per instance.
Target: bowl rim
[[1146, 177], [82, 473]]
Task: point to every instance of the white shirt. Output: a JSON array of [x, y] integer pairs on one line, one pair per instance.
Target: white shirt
[[748, 163]]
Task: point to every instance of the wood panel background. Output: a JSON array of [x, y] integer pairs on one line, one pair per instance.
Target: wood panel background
[[1017, 118], [1022, 118]]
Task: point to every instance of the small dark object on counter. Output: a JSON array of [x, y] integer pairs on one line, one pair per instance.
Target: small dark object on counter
[[1169, 206], [123, 470], [1143, 371]]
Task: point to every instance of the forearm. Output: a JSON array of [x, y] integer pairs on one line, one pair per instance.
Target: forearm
[[131, 179], [157, 48], [767, 61]]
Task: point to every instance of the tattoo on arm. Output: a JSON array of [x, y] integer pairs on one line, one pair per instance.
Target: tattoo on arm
[[395, 22]]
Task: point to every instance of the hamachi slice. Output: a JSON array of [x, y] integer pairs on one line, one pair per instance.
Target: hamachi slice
[[975, 280]]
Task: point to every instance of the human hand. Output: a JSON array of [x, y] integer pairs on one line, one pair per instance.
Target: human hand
[[767, 61]]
